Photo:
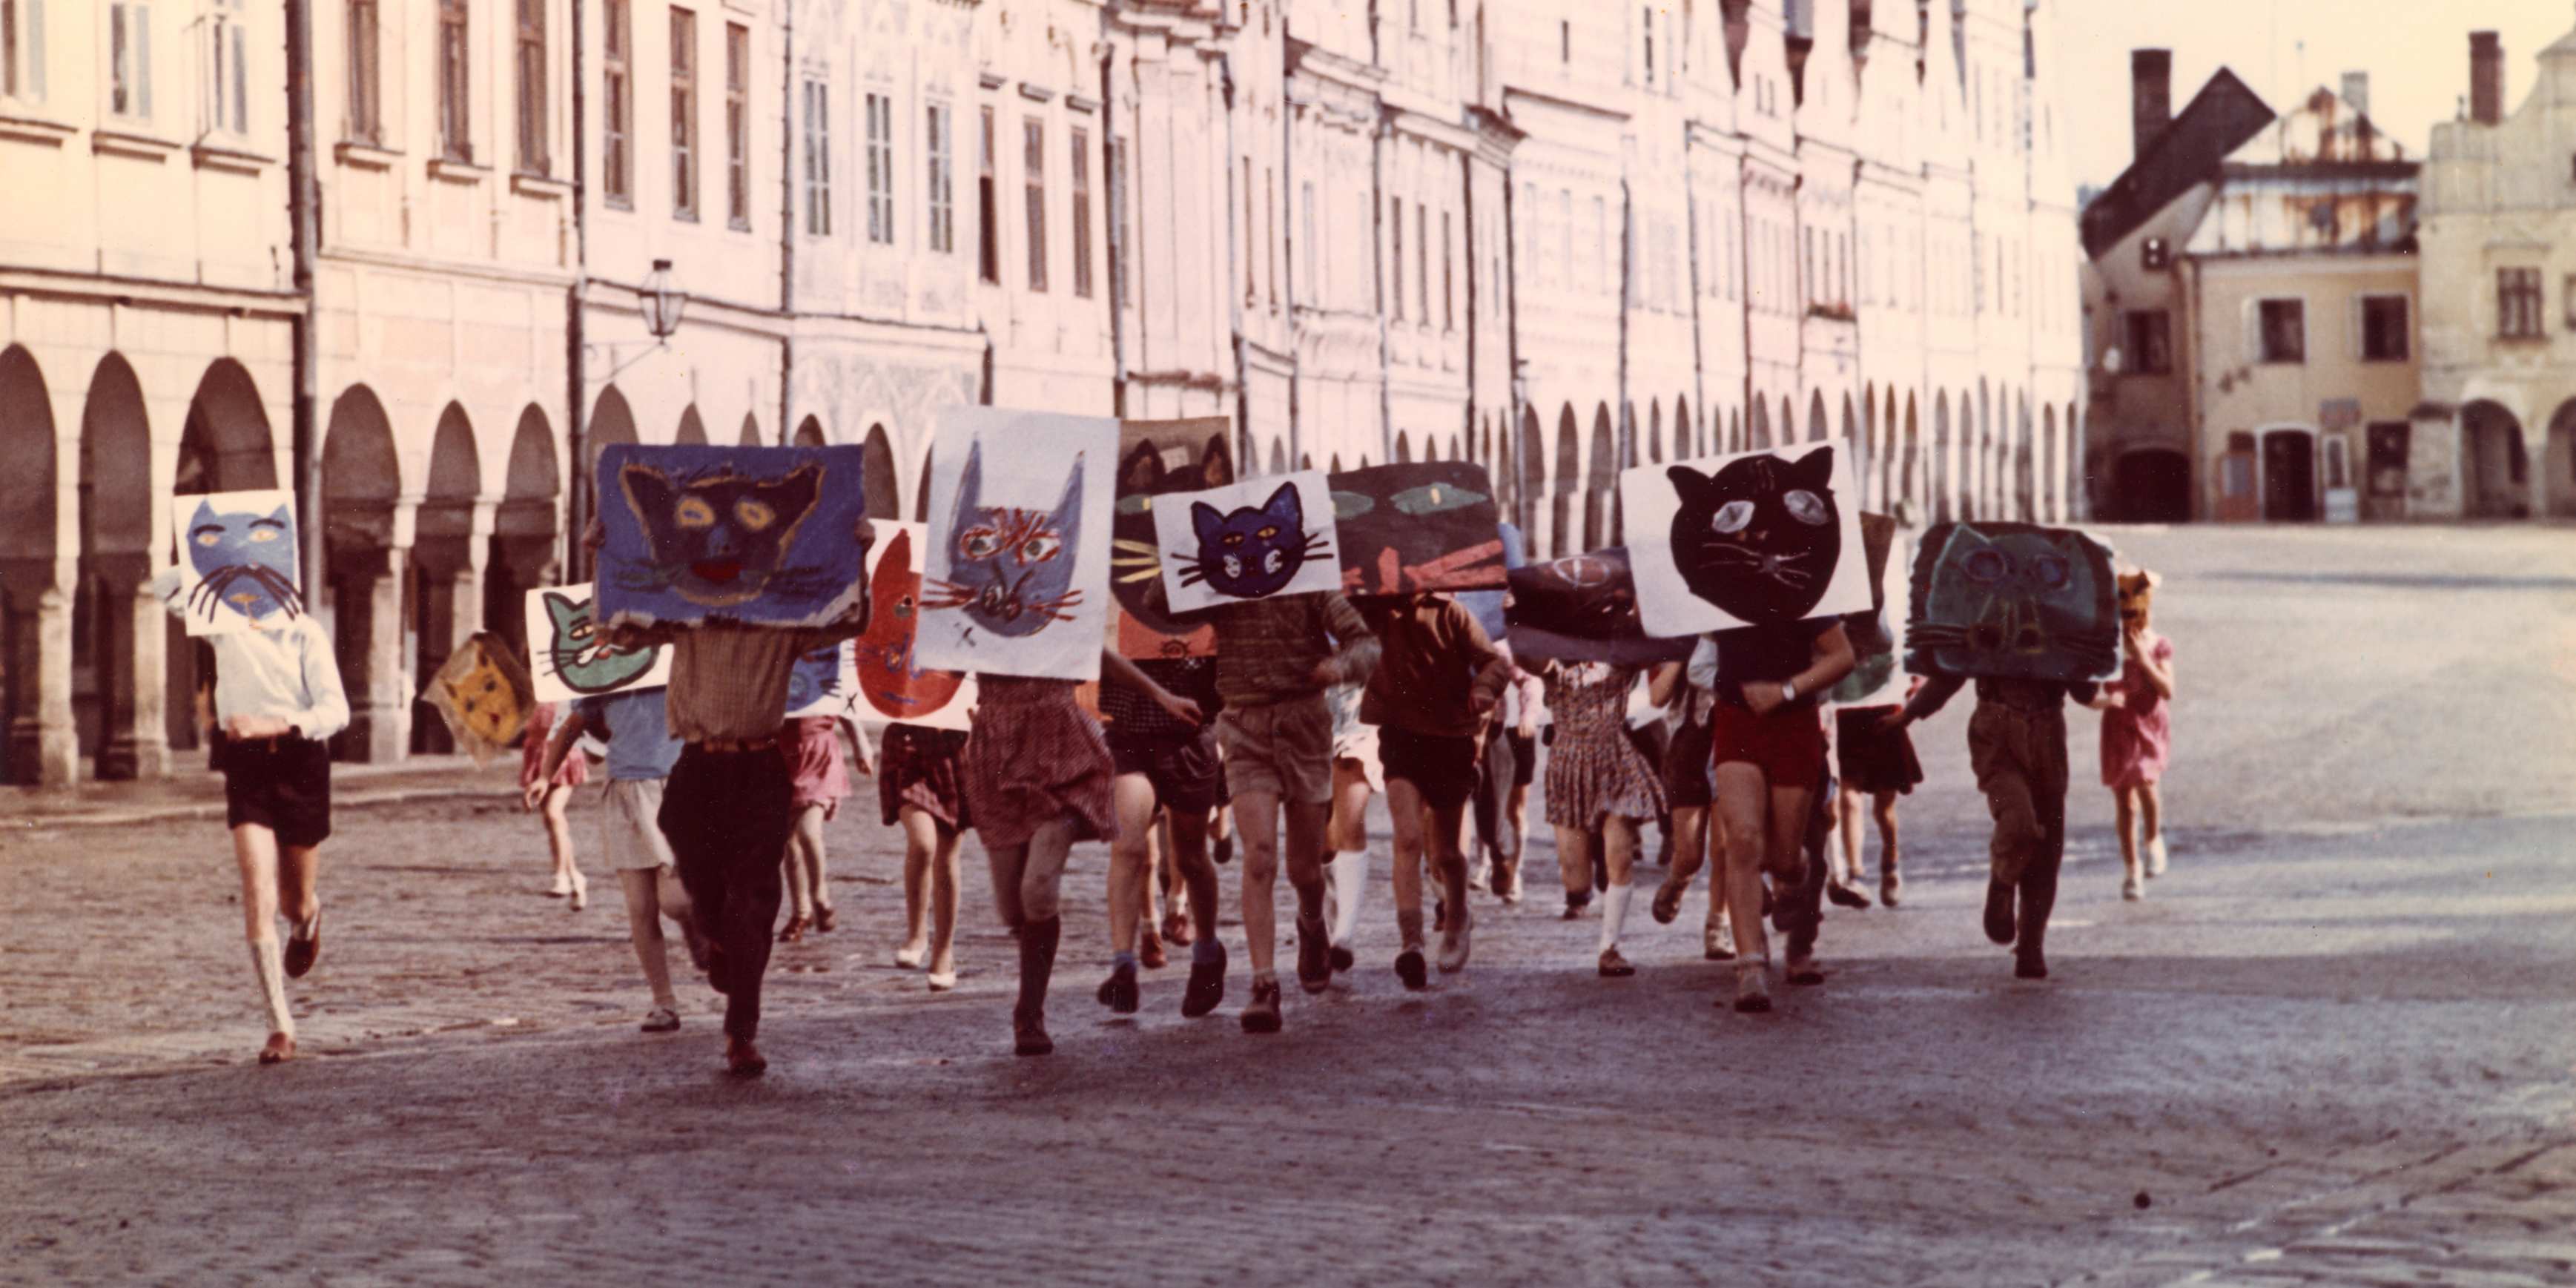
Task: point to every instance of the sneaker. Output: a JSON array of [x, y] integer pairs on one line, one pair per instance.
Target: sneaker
[[1261, 1015], [2156, 857], [1614, 966], [2133, 887], [1717, 943], [1752, 988], [1409, 968], [304, 947], [1206, 987], [1999, 912], [1455, 943], [1314, 955], [1890, 888], [1667, 904], [661, 1019], [1118, 992]]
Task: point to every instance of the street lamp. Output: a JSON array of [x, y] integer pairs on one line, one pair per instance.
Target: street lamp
[[662, 304]]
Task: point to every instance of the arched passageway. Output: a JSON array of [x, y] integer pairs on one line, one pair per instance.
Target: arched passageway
[[41, 743], [118, 633]]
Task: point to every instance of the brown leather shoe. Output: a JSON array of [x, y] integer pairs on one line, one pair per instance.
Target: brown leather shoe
[[1149, 950], [1614, 966], [279, 1050], [826, 919], [795, 932], [302, 953], [743, 1060]]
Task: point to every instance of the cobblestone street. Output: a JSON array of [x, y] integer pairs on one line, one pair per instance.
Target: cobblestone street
[[2337, 1043]]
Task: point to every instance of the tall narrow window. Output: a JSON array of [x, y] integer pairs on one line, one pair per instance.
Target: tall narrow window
[[1565, 236], [684, 114], [617, 106], [533, 154], [1082, 214], [228, 67], [878, 111], [988, 234], [941, 180], [1601, 278], [738, 125], [1395, 280], [129, 60], [455, 84], [1448, 277], [22, 50], [818, 159], [1122, 246], [1422, 261], [1306, 238], [1033, 188], [1650, 44], [2518, 303], [1249, 281], [1270, 244], [366, 93]]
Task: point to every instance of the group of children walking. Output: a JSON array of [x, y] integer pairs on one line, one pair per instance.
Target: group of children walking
[[715, 801]]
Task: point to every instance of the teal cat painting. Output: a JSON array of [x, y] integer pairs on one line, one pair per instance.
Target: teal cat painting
[[570, 656], [2013, 601]]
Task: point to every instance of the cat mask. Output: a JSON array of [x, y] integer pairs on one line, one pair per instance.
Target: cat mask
[[1257, 539], [2137, 598], [722, 538], [1159, 460], [890, 676], [1010, 570], [482, 695], [1760, 537], [579, 652], [245, 561], [815, 682], [2013, 601], [1427, 525]]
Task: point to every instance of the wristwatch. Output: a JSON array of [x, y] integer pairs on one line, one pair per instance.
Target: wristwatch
[[1789, 689]]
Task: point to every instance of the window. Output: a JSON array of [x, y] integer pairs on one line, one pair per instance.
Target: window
[[228, 67], [455, 85], [2383, 328], [877, 111], [941, 183], [1448, 278], [366, 122], [1033, 188], [1122, 248], [1306, 236], [684, 114], [22, 49], [2284, 330], [1565, 235], [737, 125], [1082, 220], [1270, 244], [617, 110], [1422, 262], [1564, 42], [1395, 282], [2518, 303], [1244, 234], [988, 234], [1601, 278], [1650, 44], [818, 159], [2338, 469], [529, 70], [2151, 342]]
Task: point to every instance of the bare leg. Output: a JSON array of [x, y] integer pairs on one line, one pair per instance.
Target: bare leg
[[809, 834], [255, 849], [800, 897], [1130, 858], [2151, 814], [1256, 818], [1404, 805], [1790, 808], [1847, 809], [1743, 809], [1305, 859], [1574, 865], [644, 930], [2124, 816], [1883, 805], [944, 878], [550, 809], [1188, 853], [920, 843]]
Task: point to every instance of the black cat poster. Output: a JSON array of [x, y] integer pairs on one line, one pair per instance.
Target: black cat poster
[[1427, 525], [1253, 540], [764, 536], [1754, 539]]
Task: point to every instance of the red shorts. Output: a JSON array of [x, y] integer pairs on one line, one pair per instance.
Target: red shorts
[[1788, 745]]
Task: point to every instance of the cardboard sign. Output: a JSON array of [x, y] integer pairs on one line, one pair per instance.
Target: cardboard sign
[[1753, 539], [1431, 525], [765, 536], [1016, 581], [1158, 458], [570, 657], [1879, 637], [1487, 605], [237, 561], [1583, 608], [2013, 601], [1251, 540], [482, 694], [824, 682], [892, 685]]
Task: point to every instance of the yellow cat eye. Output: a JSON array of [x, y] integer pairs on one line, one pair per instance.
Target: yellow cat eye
[[208, 538], [263, 534], [754, 514], [1268, 532], [694, 512]]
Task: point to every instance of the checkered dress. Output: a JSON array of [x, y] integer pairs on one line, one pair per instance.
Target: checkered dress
[[1592, 768], [1036, 756]]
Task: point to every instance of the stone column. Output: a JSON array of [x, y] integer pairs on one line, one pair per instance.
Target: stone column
[[43, 741], [132, 652], [370, 648]]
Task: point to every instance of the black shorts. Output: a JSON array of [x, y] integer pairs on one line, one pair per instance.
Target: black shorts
[[1442, 769], [1187, 775], [282, 784], [1688, 782], [1524, 759]]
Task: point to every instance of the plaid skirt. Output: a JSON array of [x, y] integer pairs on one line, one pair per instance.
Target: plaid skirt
[[1036, 756], [920, 767]]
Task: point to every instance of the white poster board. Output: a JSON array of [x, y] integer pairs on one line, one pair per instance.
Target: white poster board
[[568, 660], [1017, 576], [1250, 540], [238, 568], [1750, 539]]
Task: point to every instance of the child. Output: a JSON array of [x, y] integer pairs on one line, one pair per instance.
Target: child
[[1356, 777], [1876, 768], [546, 791], [820, 780], [921, 786], [1438, 679], [2137, 733], [640, 753]]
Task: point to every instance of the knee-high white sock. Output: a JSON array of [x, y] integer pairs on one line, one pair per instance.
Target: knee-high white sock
[[1614, 914], [1350, 878], [269, 965]]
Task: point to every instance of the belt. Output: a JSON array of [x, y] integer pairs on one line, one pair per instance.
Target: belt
[[271, 741], [736, 746]]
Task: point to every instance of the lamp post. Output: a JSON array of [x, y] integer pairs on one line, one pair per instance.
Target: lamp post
[[662, 304]]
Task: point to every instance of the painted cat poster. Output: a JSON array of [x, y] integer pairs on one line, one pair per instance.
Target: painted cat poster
[[1583, 608], [1487, 605], [482, 694], [1753, 539], [1878, 638], [2013, 601], [893, 686], [823, 681], [1156, 459], [238, 568], [569, 656], [1251, 540], [1429, 525], [1016, 580], [765, 536]]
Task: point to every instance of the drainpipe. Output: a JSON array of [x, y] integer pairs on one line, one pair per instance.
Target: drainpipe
[[1288, 230], [1377, 251], [1114, 185], [576, 372], [786, 224], [1626, 444], [1239, 250], [1699, 351], [303, 232], [1512, 340], [1467, 209]]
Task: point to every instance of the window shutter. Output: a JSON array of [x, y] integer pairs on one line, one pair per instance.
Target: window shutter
[[141, 17], [2253, 326], [35, 38], [2357, 321]]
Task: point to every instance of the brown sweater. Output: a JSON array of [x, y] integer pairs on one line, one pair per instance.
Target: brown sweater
[[1437, 672]]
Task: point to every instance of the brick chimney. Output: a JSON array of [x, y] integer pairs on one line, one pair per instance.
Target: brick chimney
[[2150, 96], [2356, 91], [2486, 78]]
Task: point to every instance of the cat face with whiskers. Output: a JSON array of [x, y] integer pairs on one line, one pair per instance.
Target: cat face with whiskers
[[1759, 538], [1010, 569], [244, 562]]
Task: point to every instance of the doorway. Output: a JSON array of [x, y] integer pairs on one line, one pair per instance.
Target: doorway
[[2289, 476]]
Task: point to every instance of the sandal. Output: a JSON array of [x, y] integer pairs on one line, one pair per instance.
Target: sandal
[[661, 1019], [795, 931], [825, 918], [1668, 903]]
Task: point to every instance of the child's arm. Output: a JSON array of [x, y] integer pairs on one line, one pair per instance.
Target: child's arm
[[1119, 669], [1665, 682], [557, 747], [2160, 675]]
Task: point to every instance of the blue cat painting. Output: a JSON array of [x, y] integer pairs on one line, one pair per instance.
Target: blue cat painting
[[1009, 569], [1225, 549], [1014, 557], [758, 535], [243, 555], [814, 684]]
